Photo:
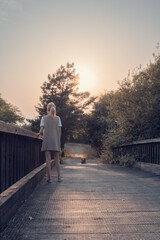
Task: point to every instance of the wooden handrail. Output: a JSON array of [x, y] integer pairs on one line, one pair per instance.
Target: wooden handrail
[[147, 141], [152, 140], [144, 151], [20, 153], [8, 128]]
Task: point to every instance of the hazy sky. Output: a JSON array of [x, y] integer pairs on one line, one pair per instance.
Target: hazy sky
[[104, 38]]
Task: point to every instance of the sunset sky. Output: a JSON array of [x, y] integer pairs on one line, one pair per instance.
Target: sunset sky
[[104, 38]]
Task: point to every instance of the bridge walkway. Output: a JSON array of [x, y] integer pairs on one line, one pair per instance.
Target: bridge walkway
[[94, 201]]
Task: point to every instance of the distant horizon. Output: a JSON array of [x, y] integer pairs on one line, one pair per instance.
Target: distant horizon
[[105, 39]]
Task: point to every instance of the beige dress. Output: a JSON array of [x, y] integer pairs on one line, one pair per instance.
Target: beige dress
[[51, 135]]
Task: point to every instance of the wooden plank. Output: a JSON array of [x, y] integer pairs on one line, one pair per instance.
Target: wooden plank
[[153, 140], [7, 164], [5, 127], [11, 158], [2, 162]]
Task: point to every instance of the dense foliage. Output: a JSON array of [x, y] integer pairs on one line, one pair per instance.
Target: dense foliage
[[132, 112], [9, 113], [97, 123]]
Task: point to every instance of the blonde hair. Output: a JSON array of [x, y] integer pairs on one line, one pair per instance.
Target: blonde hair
[[51, 108]]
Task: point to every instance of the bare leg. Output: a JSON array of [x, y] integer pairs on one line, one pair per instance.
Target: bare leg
[[56, 159], [48, 164]]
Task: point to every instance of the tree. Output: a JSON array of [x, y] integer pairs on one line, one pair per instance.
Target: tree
[[136, 104], [62, 89], [97, 123], [10, 113], [132, 112]]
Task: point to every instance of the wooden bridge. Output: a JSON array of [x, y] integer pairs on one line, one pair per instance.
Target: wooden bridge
[[94, 201]]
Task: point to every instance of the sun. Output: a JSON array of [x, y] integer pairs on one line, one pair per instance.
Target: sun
[[86, 79]]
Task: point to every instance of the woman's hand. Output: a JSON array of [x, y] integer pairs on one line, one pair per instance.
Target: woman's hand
[[39, 134]]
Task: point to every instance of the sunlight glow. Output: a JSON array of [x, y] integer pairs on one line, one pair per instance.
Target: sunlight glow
[[87, 79]]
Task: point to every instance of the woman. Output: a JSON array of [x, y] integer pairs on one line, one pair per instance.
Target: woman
[[50, 128]]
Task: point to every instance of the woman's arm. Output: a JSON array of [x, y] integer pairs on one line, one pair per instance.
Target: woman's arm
[[41, 131], [41, 127]]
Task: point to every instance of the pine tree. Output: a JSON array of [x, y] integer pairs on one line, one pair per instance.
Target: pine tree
[[62, 89]]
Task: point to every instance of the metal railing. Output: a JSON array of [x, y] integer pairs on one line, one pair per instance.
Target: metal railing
[[144, 151], [20, 153]]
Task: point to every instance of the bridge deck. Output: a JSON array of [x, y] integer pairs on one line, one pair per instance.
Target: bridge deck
[[94, 201]]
